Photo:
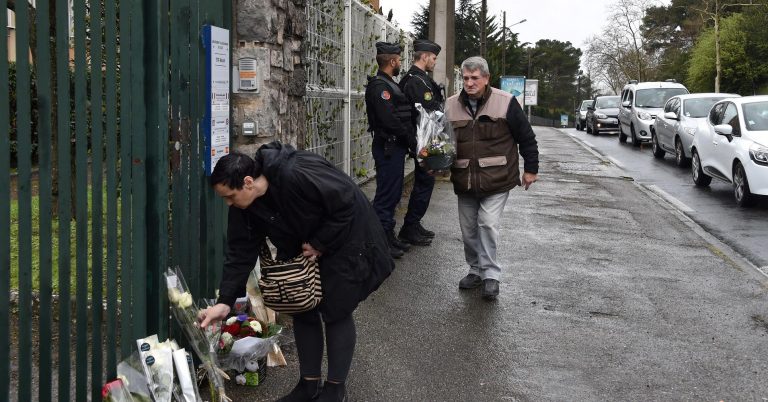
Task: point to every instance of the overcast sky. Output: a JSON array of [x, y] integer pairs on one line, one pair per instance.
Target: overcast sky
[[564, 20]]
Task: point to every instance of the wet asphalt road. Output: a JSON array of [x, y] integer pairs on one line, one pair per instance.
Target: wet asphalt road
[[712, 207], [608, 293]]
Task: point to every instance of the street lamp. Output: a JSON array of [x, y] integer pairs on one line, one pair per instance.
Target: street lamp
[[504, 40]]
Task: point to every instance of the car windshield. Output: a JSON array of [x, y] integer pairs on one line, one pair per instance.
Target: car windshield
[[585, 105], [699, 107], [756, 116], [656, 97], [608, 102]]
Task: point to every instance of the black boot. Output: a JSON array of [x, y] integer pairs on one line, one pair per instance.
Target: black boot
[[424, 231], [410, 234], [333, 393], [396, 243], [304, 391]]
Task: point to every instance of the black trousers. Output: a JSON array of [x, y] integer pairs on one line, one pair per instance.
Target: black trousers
[[389, 182], [423, 184], [340, 338]]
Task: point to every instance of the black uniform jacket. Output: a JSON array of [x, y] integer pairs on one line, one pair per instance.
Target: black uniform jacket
[[388, 109], [309, 200], [421, 88]]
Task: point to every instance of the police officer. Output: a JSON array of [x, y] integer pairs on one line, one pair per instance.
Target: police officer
[[421, 88], [390, 121]]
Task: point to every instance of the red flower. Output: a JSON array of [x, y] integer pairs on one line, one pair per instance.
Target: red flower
[[233, 329]]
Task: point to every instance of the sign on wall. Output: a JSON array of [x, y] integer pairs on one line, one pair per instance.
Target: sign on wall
[[514, 85], [216, 122], [531, 92]]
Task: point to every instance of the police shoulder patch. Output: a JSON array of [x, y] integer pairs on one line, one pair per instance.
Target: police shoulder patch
[[385, 95], [427, 96]]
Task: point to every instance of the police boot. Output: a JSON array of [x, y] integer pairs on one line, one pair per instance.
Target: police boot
[[304, 391], [410, 234], [395, 243], [424, 231]]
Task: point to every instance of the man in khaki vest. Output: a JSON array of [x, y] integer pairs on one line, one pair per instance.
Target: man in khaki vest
[[491, 130]]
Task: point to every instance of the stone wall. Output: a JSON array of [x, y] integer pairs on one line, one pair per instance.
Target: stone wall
[[271, 32]]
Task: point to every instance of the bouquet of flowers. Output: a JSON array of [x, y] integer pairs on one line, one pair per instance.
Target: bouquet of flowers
[[244, 345], [202, 341], [434, 139]]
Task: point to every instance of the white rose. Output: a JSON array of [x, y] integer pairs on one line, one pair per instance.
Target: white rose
[[185, 300], [231, 320], [173, 295], [255, 325]]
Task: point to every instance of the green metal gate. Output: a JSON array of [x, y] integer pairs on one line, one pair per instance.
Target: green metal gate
[[101, 185]]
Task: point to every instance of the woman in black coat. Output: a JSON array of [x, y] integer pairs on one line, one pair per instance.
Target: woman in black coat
[[304, 205]]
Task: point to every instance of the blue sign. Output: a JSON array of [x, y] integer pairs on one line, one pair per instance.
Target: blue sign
[[516, 86]]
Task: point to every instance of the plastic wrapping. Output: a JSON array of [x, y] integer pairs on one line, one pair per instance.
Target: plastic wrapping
[[434, 139], [157, 362], [202, 341], [247, 350], [116, 391]]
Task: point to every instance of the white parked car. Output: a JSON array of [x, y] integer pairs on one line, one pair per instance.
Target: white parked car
[[683, 115], [734, 148], [640, 103]]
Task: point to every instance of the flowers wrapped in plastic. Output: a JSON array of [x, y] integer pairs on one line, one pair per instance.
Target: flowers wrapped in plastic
[[244, 345], [203, 341], [434, 139]]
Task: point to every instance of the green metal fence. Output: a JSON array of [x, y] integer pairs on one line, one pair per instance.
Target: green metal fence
[[101, 186]]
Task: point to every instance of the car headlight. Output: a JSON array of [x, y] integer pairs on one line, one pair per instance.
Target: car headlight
[[644, 116], [759, 154], [690, 130], [600, 116]]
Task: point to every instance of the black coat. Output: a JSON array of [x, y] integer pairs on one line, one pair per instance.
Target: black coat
[[309, 200]]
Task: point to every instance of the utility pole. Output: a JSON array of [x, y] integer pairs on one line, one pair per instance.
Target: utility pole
[[483, 30], [503, 42]]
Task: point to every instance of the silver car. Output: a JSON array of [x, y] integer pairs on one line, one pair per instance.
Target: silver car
[[581, 114], [683, 116]]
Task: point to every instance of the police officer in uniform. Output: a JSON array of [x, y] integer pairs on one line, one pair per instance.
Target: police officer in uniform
[[390, 121], [421, 88]]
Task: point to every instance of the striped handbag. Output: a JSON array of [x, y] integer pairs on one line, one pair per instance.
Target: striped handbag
[[291, 286]]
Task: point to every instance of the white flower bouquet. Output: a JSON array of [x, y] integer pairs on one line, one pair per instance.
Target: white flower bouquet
[[434, 139]]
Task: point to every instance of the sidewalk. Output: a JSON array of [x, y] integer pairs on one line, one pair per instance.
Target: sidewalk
[[607, 294]]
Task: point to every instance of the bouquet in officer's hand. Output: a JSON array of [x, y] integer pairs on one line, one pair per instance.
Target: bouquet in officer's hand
[[434, 139]]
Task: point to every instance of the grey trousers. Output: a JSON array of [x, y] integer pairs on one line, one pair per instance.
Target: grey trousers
[[479, 219]]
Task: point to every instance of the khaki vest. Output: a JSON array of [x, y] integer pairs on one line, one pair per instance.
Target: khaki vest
[[487, 159]]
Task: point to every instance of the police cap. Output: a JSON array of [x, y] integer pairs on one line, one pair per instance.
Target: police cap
[[387, 48], [424, 45]]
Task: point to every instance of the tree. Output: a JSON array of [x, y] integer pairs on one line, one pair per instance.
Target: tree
[[420, 22], [556, 68], [670, 33], [743, 54], [714, 10], [620, 52]]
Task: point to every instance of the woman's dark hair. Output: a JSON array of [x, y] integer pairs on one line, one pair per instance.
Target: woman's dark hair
[[231, 169]]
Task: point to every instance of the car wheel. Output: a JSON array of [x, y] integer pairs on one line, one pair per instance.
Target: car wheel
[[658, 153], [635, 141], [680, 158], [700, 179], [744, 197], [622, 136]]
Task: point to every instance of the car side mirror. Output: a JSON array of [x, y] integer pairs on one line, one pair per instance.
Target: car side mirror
[[671, 116], [724, 129], [626, 104]]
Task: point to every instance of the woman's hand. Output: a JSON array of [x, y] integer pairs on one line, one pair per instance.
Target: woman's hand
[[308, 251], [217, 312]]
